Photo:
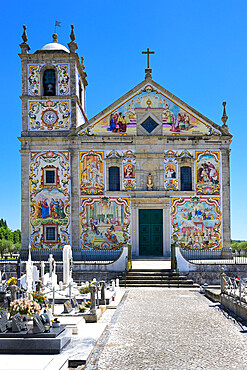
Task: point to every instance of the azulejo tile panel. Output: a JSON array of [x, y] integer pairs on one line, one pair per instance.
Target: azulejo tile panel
[[48, 115], [129, 170], [63, 79], [207, 173], [49, 203], [35, 79], [91, 173], [177, 120], [170, 171], [196, 222], [104, 222]]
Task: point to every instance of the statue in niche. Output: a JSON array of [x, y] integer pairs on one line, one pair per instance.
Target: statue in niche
[[150, 184]]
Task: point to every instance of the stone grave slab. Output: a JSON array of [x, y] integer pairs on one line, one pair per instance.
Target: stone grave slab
[[38, 344]]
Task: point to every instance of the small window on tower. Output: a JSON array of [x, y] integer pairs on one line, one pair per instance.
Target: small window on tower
[[50, 177], [50, 234], [49, 82], [80, 92]]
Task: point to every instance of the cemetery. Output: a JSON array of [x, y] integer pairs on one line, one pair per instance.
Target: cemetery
[[41, 315]]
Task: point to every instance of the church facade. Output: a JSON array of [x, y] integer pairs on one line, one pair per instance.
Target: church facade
[[147, 171]]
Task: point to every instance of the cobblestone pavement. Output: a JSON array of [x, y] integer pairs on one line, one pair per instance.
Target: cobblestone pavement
[[169, 329]]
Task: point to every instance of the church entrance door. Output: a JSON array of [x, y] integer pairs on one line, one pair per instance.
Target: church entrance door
[[150, 232]]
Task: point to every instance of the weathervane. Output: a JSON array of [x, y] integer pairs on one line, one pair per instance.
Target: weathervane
[[148, 70]]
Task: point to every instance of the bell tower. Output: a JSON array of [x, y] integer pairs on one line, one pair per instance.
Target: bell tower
[[53, 88]]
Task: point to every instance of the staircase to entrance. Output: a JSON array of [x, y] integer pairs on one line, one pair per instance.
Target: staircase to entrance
[[154, 272]]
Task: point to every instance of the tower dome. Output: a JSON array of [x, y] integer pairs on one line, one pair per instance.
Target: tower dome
[[55, 46]]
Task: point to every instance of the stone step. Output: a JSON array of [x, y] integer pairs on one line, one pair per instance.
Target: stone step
[[150, 282], [168, 277], [160, 285], [162, 271], [165, 278]]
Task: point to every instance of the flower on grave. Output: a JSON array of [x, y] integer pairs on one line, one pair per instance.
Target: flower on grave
[[39, 297], [87, 304], [82, 308], [24, 306], [12, 281]]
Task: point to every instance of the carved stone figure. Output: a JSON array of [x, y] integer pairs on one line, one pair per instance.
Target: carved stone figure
[[149, 183]]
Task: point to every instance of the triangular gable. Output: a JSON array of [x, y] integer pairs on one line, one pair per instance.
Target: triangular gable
[[178, 117]]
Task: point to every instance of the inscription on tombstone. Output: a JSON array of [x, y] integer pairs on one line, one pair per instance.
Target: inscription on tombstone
[[74, 303], [67, 307], [3, 321], [46, 321], [38, 326], [17, 323]]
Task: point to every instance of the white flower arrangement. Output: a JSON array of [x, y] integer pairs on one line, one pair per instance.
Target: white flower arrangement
[[24, 306]]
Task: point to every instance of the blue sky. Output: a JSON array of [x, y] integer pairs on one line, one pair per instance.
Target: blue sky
[[200, 56]]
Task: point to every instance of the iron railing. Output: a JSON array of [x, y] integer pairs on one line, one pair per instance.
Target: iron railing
[[211, 256], [234, 287], [79, 255]]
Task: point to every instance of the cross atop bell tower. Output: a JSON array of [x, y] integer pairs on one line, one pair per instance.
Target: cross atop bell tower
[[148, 70]]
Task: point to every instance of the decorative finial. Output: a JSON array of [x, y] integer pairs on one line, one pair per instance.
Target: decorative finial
[[24, 45], [224, 117], [72, 35], [72, 45], [24, 35], [148, 70], [55, 37], [82, 63]]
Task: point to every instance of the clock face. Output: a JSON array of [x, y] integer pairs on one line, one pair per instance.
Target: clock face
[[49, 117]]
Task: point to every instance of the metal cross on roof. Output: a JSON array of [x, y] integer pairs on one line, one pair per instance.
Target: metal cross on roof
[[148, 70]]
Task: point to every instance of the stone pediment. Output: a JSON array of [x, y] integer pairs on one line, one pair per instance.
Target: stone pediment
[[164, 113]]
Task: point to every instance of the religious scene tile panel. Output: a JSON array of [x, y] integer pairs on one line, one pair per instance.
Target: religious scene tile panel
[[129, 170], [92, 173], [196, 222], [105, 223], [49, 202], [207, 173], [49, 115], [176, 120], [170, 171]]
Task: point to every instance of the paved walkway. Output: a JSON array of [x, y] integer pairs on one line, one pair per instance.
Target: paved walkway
[[170, 329]]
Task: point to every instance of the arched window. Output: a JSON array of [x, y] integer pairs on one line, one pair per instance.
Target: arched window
[[114, 178], [49, 82], [186, 178]]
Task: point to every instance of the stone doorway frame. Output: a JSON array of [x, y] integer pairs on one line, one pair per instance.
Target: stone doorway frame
[[151, 203]]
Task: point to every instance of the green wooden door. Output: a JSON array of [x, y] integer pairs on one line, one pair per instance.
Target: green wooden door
[[151, 232]]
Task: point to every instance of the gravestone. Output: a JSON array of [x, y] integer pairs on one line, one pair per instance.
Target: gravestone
[[74, 303], [42, 271], [17, 323], [38, 326], [67, 307], [102, 291], [67, 264], [93, 300], [3, 321], [46, 321], [35, 276]]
